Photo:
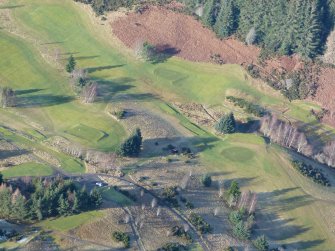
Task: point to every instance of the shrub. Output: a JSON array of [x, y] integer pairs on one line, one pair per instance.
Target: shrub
[[200, 224], [189, 205], [248, 106], [241, 231], [172, 247], [235, 217], [122, 237], [120, 114], [206, 180], [313, 173], [261, 243], [180, 232], [170, 194]]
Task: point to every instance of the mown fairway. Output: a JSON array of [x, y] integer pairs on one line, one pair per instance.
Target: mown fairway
[[288, 214]]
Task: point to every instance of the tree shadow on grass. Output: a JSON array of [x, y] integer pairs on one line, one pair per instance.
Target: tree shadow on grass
[[4, 154], [11, 6], [86, 57], [163, 53], [304, 245], [42, 100], [101, 68], [108, 90], [163, 146], [269, 219], [27, 91], [56, 42]]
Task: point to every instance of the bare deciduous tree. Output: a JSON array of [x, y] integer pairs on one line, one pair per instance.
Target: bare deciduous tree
[[253, 203], [251, 36], [8, 97], [89, 92]]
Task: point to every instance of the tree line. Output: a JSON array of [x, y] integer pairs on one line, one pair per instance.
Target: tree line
[[278, 26], [289, 135], [36, 199]]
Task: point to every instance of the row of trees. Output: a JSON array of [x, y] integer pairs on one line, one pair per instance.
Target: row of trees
[[288, 135], [280, 26], [42, 198], [100, 6]]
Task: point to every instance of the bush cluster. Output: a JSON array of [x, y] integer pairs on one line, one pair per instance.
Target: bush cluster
[[200, 224], [122, 237], [248, 106], [313, 173]]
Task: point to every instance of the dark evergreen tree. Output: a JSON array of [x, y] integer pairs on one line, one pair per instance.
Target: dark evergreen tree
[[226, 124], [226, 22], [131, 147], [234, 190], [19, 210], [5, 199], [95, 198], [210, 12], [261, 243], [1, 178], [71, 64], [63, 206]]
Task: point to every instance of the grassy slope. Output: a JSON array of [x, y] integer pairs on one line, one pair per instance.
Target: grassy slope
[[70, 222], [286, 212], [28, 169], [263, 171], [46, 97]]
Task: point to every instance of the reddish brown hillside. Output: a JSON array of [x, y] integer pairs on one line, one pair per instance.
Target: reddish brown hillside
[[192, 41]]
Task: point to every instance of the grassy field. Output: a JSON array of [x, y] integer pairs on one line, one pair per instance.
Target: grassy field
[[44, 94], [288, 214], [70, 222], [28, 169], [111, 194]]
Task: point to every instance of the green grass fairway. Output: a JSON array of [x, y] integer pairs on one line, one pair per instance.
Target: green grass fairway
[[70, 222], [28, 169], [287, 213], [44, 95], [112, 195]]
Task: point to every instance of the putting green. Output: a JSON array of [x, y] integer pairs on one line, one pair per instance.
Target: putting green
[[87, 133], [238, 154]]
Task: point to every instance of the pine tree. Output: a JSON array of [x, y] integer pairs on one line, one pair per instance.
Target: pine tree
[[226, 124], [311, 41], [71, 64], [38, 209], [131, 147], [209, 14], [95, 198], [261, 243], [234, 190], [76, 203], [63, 206], [225, 24], [5, 199], [1, 178], [19, 210]]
